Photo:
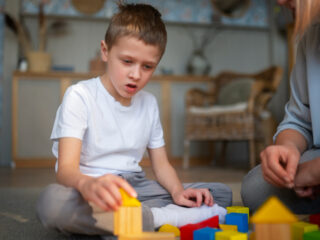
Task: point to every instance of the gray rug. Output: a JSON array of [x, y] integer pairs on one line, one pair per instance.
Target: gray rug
[[18, 219]]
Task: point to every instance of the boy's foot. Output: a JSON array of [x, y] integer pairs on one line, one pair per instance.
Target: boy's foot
[[178, 216]]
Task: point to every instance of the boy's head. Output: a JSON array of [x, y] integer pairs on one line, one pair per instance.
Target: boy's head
[[140, 21]]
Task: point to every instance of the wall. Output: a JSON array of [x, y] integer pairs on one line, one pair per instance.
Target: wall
[[242, 50]]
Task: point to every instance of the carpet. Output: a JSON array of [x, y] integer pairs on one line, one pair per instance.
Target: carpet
[[18, 219]]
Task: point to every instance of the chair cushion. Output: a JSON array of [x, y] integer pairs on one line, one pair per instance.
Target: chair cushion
[[235, 92], [239, 107]]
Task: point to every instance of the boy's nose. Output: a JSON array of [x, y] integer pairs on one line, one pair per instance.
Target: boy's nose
[[135, 73]]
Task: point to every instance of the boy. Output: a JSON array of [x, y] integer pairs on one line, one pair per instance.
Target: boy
[[101, 132]]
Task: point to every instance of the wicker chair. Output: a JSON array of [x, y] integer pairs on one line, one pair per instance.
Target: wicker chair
[[232, 110]]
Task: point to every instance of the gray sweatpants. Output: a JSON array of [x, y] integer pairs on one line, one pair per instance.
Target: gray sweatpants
[[64, 209], [255, 190]]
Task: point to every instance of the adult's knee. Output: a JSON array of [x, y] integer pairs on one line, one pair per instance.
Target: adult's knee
[[222, 194], [254, 190]]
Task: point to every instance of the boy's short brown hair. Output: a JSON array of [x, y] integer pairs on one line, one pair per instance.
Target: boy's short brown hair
[[138, 20]]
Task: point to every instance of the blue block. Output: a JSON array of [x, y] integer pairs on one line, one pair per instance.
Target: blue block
[[206, 233], [239, 219]]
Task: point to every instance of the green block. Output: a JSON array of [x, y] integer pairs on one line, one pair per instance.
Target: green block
[[311, 235]]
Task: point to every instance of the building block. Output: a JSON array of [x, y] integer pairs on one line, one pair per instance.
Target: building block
[[238, 209], [206, 233], [147, 236], [311, 235], [231, 235], [273, 211], [225, 227], [127, 220], [128, 201], [171, 229], [239, 219], [186, 231], [299, 228], [315, 219]]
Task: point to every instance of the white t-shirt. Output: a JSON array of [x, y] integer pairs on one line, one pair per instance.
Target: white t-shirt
[[114, 137]]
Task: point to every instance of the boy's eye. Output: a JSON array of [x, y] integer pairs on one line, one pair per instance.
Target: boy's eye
[[127, 61], [148, 67]]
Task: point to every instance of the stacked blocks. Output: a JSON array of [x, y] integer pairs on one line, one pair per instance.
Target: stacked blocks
[[128, 222], [171, 229], [226, 227], [239, 219], [299, 228], [187, 230]]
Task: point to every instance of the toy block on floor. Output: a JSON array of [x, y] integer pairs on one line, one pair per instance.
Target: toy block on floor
[[238, 209], [231, 235], [311, 235], [206, 233], [315, 219], [147, 236], [170, 229], [186, 231], [299, 228], [225, 227], [239, 219], [128, 218], [272, 221]]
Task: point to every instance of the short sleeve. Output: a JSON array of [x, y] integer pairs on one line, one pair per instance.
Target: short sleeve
[[71, 117], [156, 138]]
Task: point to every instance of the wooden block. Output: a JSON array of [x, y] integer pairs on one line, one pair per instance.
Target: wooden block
[[239, 219], [231, 235], [312, 235], [187, 230], [147, 236], [315, 219], [225, 227], [128, 220], [170, 229], [299, 228], [238, 209], [206, 233], [128, 201], [272, 231]]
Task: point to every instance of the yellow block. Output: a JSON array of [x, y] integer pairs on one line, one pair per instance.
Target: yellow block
[[273, 211], [230, 235], [225, 227], [127, 200], [127, 220], [299, 228], [238, 209], [148, 236], [170, 229]]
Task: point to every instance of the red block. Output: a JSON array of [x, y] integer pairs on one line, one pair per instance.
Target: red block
[[315, 219], [186, 231]]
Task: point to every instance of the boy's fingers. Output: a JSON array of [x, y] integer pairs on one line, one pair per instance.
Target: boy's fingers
[[108, 199], [126, 187]]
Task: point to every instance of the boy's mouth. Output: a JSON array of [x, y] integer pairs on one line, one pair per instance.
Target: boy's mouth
[[131, 87]]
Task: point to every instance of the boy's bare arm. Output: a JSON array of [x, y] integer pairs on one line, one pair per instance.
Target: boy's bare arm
[[168, 178], [102, 191], [280, 161]]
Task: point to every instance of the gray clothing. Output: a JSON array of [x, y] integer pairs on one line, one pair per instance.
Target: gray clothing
[[64, 209], [255, 191], [302, 112]]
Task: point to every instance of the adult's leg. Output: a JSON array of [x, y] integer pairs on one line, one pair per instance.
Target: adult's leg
[[255, 191]]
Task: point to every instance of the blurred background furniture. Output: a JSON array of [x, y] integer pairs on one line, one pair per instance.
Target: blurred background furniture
[[233, 109]]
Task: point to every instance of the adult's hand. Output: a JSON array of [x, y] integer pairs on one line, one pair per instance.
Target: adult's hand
[[279, 164]]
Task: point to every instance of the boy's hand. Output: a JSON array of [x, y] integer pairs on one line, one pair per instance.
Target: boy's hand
[[104, 191], [279, 164], [193, 197]]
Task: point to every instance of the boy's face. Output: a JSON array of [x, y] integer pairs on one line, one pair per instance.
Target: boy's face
[[131, 64]]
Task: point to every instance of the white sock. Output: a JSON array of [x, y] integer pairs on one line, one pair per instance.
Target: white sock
[[178, 216]]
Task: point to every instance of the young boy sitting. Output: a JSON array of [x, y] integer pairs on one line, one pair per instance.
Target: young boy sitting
[[101, 131]]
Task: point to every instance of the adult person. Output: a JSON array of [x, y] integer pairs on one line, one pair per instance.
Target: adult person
[[290, 169]]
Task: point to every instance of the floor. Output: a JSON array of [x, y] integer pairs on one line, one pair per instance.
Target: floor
[[41, 177]]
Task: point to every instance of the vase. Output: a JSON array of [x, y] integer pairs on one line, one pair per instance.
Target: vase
[[39, 61], [198, 64]]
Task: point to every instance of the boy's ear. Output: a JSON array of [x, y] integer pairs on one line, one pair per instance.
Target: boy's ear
[[104, 51]]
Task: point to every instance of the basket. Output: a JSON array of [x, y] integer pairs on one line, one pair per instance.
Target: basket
[[39, 61]]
